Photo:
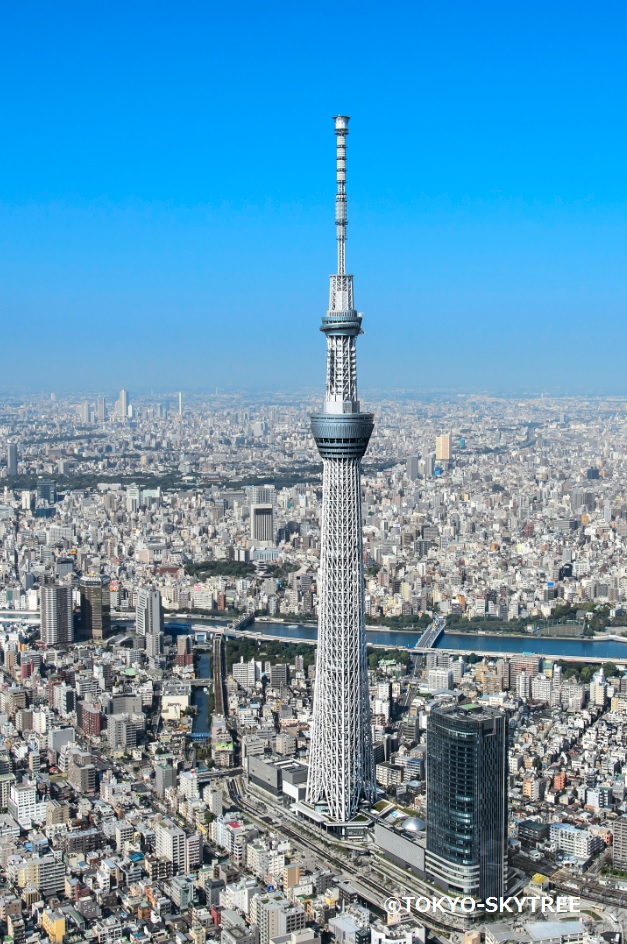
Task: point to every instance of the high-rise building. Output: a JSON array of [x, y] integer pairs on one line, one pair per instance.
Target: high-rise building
[[341, 772], [11, 457], [180, 403], [57, 624], [275, 916], [170, 844], [261, 499], [467, 800], [101, 409], [262, 523], [443, 448], [121, 405], [619, 843], [149, 622], [148, 612], [47, 491], [412, 468], [165, 776], [262, 495], [95, 606], [184, 651]]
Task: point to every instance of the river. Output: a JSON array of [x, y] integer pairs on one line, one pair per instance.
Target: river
[[463, 642], [583, 649]]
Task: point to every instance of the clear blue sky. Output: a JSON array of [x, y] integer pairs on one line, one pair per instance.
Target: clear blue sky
[[167, 185]]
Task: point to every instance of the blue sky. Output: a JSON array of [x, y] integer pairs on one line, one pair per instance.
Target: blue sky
[[167, 187]]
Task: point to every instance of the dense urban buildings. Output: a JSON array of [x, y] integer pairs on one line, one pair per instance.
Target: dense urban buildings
[[520, 533], [341, 771]]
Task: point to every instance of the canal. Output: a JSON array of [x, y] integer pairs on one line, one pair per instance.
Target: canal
[[200, 697]]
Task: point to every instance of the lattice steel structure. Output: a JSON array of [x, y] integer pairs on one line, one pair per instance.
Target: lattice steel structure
[[341, 772]]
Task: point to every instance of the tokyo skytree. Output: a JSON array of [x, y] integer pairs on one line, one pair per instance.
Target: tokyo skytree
[[341, 759]]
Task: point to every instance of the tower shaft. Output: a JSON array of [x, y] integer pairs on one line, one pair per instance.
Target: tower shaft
[[341, 763]]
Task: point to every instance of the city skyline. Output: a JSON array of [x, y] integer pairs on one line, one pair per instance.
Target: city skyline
[[489, 526], [496, 221], [266, 677]]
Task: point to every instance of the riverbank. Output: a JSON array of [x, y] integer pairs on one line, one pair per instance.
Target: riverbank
[[603, 649], [402, 631]]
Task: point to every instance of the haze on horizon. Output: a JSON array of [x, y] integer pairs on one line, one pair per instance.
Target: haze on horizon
[[167, 188]]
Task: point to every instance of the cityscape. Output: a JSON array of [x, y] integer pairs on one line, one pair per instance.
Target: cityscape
[[285, 663], [180, 760]]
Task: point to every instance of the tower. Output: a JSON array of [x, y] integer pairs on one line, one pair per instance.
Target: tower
[[341, 771], [467, 800]]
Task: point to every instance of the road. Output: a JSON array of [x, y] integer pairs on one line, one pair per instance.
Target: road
[[414, 682]]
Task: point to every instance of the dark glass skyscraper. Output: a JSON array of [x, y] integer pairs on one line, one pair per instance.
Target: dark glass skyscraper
[[467, 800], [95, 607]]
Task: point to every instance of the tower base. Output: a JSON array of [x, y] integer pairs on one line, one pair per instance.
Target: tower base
[[356, 830]]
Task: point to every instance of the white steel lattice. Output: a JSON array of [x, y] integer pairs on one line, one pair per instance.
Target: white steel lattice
[[341, 368], [341, 293], [341, 765]]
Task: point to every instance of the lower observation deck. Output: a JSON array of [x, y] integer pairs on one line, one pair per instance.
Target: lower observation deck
[[342, 435]]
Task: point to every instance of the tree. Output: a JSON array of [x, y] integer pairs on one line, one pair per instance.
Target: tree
[[471, 658], [609, 670]]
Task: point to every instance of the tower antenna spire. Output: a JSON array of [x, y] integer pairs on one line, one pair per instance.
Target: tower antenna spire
[[341, 132]]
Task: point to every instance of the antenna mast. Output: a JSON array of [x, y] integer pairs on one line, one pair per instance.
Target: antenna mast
[[341, 131]]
